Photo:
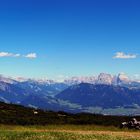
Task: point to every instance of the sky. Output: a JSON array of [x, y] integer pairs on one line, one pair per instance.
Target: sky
[[53, 38]]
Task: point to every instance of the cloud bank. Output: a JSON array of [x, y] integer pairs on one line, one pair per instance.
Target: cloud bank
[[122, 55], [7, 54], [31, 55]]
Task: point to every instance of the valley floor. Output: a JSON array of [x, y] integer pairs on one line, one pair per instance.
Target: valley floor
[[66, 132]]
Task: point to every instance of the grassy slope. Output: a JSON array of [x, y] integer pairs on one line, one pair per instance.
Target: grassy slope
[[38, 126], [65, 132]]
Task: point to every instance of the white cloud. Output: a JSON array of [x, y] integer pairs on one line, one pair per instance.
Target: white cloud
[[7, 54], [31, 55], [122, 55]]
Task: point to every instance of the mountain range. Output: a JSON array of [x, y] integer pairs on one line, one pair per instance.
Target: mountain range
[[105, 94]]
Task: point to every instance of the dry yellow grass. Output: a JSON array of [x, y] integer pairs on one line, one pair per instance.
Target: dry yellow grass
[[68, 132]]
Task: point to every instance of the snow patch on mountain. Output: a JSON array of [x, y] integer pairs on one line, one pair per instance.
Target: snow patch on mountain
[[8, 80], [103, 78]]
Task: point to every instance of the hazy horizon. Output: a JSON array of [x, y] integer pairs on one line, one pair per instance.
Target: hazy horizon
[[62, 78]]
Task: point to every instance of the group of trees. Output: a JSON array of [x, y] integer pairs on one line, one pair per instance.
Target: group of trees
[[14, 114]]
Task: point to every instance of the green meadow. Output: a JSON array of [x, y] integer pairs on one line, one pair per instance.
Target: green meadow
[[66, 132]]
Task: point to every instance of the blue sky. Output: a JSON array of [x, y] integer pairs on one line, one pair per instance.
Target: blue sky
[[48, 38]]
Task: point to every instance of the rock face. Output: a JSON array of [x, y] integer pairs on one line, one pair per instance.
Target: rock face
[[105, 79], [102, 79], [123, 78], [78, 80]]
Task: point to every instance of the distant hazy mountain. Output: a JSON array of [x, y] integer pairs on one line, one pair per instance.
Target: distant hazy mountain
[[33, 94], [42, 88], [102, 94], [16, 91], [7, 80], [105, 96], [78, 80], [11, 93], [105, 79]]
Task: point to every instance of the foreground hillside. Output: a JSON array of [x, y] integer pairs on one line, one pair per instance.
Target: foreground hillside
[[19, 115], [66, 132], [21, 123]]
